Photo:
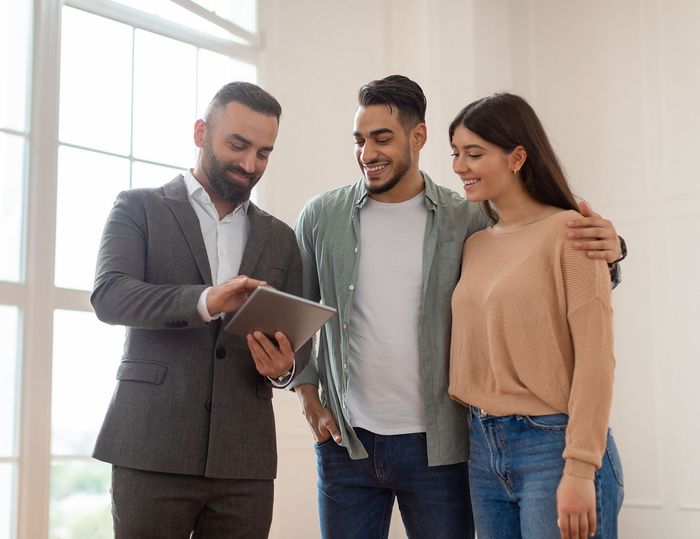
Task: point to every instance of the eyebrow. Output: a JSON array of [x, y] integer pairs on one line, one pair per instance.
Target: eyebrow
[[375, 133], [470, 147], [244, 140]]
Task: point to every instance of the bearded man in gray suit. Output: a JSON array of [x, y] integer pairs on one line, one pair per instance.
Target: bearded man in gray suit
[[190, 429]]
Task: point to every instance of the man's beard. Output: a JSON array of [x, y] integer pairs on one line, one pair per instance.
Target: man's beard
[[401, 168], [217, 175]]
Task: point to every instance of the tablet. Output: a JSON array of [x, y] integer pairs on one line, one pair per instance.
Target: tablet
[[269, 310]]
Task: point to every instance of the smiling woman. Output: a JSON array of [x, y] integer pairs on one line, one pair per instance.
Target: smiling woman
[[531, 338]]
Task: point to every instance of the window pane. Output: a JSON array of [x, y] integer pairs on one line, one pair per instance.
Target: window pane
[[214, 70], [88, 183], [7, 497], [149, 175], [84, 349], [95, 82], [164, 99], [80, 501], [15, 51], [11, 205], [8, 379]]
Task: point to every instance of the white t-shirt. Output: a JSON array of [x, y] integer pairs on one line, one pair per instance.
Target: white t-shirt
[[384, 387]]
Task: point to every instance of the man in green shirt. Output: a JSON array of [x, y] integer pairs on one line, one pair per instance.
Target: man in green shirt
[[385, 252]]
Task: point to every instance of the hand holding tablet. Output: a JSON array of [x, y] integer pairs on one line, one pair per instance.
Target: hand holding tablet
[[269, 310]]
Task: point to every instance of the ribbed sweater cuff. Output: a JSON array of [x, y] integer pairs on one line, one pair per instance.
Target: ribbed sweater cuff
[[579, 468]]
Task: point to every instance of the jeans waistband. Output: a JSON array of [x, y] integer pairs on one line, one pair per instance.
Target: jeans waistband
[[478, 413]]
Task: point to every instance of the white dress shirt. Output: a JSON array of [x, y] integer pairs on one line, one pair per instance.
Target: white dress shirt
[[224, 240]]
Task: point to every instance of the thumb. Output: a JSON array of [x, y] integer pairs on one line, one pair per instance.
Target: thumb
[[585, 208], [335, 432]]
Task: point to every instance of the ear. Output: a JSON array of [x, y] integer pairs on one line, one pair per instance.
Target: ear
[[419, 136], [200, 133], [517, 158]]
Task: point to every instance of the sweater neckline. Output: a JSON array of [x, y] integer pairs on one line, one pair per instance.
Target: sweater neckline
[[524, 227]]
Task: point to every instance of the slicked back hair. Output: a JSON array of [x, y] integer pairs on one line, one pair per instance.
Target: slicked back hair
[[246, 93], [398, 93]]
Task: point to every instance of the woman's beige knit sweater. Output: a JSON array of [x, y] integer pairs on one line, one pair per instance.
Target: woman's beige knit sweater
[[532, 333]]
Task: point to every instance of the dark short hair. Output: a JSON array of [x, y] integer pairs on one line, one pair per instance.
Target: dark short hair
[[508, 121], [248, 94], [397, 92]]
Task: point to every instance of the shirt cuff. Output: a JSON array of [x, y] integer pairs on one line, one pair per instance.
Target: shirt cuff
[[202, 307], [283, 381]]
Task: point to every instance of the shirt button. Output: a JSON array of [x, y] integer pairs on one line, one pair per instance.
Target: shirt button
[[345, 326], [351, 287], [355, 249]]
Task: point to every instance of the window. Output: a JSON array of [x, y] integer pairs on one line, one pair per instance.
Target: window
[[15, 50], [134, 75], [9, 321]]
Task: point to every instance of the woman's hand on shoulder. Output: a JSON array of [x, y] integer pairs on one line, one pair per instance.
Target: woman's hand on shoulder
[[576, 514]]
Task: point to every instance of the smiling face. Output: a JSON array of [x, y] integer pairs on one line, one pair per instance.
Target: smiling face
[[382, 148], [235, 147], [485, 169]]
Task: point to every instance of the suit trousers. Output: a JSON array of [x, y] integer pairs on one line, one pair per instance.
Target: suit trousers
[[154, 505]]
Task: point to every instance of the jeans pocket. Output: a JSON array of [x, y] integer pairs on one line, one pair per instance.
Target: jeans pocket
[[549, 423], [614, 457], [324, 443]]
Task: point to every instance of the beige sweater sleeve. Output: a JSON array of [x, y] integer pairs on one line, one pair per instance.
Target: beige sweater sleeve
[[587, 290]]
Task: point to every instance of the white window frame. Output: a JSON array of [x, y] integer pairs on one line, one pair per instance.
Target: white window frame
[[36, 295]]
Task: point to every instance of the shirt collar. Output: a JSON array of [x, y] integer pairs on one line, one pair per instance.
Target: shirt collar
[[430, 192], [196, 192]]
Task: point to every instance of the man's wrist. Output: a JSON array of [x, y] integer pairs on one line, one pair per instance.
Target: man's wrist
[[202, 308], [623, 252], [284, 379]]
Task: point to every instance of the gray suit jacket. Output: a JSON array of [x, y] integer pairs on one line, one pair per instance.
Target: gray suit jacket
[[188, 399]]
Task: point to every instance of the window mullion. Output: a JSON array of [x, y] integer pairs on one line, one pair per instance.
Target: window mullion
[[37, 319]]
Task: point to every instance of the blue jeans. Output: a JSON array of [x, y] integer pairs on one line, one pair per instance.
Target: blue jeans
[[515, 465], [356, 497]]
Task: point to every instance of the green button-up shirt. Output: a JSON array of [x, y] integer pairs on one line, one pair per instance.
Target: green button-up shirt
[[328, 231]]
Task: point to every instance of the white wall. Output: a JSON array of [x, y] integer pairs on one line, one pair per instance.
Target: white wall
[[616, 85]]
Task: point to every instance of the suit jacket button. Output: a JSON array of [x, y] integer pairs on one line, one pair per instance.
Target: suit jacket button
[[207, 405], [220, 352]]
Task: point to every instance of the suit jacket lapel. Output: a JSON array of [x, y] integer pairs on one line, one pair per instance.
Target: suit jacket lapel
[[176, 199]]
